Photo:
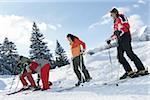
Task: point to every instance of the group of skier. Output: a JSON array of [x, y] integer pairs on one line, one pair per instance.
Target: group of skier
[[78, 48]]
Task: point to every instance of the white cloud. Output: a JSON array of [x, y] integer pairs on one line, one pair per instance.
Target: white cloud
[[49, 42], [18, 29], [59, 25], [92, 26], [141, 2], [135, 5], [104, 20], [123, 9], [54, 27], [135, 22], [42, 26]]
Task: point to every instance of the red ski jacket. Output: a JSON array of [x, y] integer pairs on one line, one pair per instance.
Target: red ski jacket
[[121, 23]]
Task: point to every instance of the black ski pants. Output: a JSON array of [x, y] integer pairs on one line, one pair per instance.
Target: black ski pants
[[125, 46], [78, 62]]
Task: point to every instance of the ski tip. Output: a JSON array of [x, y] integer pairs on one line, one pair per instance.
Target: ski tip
[[8, 94], [90, 53], [105, 84]]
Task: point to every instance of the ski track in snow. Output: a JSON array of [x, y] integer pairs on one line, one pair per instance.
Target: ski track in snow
[[101, 71]]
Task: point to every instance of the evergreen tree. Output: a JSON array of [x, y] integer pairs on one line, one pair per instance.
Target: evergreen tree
[[8, 57], [61, 58], [39, 48], [1, 61]]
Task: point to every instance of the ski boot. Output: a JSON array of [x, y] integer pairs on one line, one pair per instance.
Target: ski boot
[[50, 83], [25, 87], [128, 74], [78, 83], [142, 72], [88, 80], [36, 88]]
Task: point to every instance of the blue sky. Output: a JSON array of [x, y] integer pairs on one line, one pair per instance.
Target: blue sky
[[57, 18]]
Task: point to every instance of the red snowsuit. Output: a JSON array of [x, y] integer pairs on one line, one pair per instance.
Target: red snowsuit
[[42, 67], [29, 77]]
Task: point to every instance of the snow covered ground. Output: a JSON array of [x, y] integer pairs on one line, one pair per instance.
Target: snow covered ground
[[101, 71]]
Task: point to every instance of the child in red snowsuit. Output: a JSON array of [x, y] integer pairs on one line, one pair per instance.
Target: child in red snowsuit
[[42, 67], [23, 62]]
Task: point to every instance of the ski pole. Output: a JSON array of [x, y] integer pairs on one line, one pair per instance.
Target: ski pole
[[110, 60], [17, 82], [81, 67], [118, 71], [12, 83], [12, 79]]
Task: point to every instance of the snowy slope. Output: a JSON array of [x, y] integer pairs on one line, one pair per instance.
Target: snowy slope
[[101, 70]]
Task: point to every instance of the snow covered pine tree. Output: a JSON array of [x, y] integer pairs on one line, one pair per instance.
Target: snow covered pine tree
[[61, 57], [38, 47], [8, 57]]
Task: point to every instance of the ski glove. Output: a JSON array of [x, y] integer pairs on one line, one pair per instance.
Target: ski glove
[[83, 51], [108, 41], [118, 33]]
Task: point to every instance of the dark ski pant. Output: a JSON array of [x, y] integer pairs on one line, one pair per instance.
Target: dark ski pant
[[125, 46], [78, 62]]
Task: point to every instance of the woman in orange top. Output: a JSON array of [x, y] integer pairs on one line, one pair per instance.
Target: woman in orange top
[[77, 58]]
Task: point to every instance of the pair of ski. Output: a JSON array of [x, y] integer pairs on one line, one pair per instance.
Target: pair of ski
[[69, 88], [117, 82], [27, 89], [22, 90], [73, 87], [18, 91]]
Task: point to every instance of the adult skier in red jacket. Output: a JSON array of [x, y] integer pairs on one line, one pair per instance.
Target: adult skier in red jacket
[[122, 33]]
